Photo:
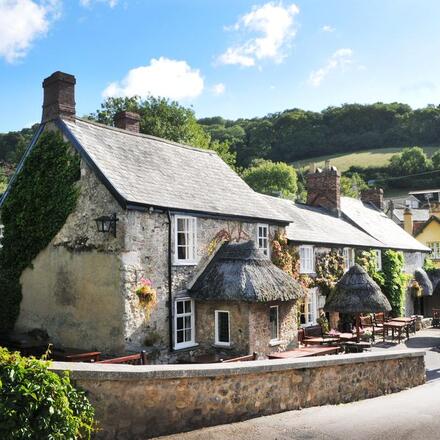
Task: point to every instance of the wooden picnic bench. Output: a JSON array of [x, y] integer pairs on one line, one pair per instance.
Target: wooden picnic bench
[[74, 355], [131, 359], [305, 352], [395, 326]]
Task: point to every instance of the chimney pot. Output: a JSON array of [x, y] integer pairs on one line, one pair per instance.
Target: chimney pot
[[59, 96], [128, 121], [408, 223]]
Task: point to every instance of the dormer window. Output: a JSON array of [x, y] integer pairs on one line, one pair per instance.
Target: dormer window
[[185, 251], [263, 238]]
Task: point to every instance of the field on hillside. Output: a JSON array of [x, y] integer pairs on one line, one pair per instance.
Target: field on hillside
[[365, 158]]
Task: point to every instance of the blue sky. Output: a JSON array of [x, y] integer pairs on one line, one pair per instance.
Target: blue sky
[[234, 58]]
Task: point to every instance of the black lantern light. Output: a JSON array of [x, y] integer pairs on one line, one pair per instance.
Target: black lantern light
[[107, 223]]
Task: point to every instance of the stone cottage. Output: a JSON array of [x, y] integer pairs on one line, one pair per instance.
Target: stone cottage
[[151, 208], [329, 221]]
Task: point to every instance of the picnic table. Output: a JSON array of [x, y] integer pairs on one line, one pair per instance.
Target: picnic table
[[74, 355], [398, 326], [320, 341], [409, 321], [305, 352]]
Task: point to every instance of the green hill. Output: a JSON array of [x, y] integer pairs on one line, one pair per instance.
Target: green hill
[[364, 158]]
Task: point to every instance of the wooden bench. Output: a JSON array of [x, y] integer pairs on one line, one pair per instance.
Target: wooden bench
[[249, 357], [132, 359]]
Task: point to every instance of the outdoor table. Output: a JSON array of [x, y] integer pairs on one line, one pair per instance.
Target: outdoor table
[[355, 347], [305, 352], [75, 355], [410, 322], [320, 341], [342, 336], [395, 325]]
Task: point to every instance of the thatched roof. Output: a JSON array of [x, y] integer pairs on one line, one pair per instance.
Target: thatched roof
[[424, 282], [357, 292], [240, 272], [434, 276]]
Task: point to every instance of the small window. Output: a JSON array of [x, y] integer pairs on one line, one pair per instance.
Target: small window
[[348, 254], [263, 238], [435, 250], [183, 323], [378, 259], [186, 240], [308, 309], [274, 323], [307, 259], [222, 328]]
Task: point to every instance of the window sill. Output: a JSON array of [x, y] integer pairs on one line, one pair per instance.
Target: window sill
[[308, 273], [185, 347], [226, 347], [276, 342], [185, 263]]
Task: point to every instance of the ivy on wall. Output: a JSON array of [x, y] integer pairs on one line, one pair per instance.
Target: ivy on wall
[[395, 281], [329, 268], [368, 260], [38, 204]]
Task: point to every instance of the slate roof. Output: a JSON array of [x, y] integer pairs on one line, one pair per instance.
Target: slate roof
[[148, 171], [419, 214], [379, 226], [315, 225]]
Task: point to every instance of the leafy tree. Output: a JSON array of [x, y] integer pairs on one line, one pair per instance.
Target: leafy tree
[[436, 160], [269, 177], [166, 119], [409, 161], [351, 186]]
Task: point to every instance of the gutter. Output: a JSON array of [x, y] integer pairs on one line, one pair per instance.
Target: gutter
[[170, 284]]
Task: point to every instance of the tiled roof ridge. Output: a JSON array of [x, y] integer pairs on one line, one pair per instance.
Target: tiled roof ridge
[[147, 136]]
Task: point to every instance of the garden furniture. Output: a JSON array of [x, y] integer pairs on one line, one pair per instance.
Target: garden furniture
[[367, 325], [399, 327], [409, 321], [132, 359], [305, 352], [74, 355], [321, 341], [355, 347], [436, 318], [249, 357]]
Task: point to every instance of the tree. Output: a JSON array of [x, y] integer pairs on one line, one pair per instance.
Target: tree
[[351, 186], [165, 119], [270, 178], [409, 161], [436, 160]]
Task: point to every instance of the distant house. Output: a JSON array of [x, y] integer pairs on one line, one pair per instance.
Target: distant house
[[181, 218]]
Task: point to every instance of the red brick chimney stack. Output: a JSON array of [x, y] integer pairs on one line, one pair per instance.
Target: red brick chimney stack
[[373, 196], [324, 188], [59, 96], [128, 121]]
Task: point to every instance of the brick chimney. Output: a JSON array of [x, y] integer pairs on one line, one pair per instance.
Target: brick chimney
[[59, 96], [324, 188], [374, 196], [128, 121], [408, 223]]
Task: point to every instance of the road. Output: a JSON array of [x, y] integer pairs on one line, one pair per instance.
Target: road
[[409, 415]]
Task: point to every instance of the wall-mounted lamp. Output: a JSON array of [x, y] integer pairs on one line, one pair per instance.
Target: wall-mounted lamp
[[107, 223]]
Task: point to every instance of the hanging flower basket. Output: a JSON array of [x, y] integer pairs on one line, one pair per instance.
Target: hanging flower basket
[[147, 295]]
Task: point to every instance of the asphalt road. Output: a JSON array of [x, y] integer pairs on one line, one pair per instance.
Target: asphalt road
[[409, 415]]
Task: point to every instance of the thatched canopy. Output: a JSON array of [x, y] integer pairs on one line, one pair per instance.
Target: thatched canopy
[[240, 272], [424, 282], [356, 292], [434, 276]]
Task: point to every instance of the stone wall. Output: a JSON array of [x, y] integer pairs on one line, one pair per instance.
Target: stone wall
[[139, 402]]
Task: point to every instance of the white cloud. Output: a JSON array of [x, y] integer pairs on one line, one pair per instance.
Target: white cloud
[[269, 29], [218, 89], [340, 59], [88, 3], [23, 21], [162, 77], [327, 28]]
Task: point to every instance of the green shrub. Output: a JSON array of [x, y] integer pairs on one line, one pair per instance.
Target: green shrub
[[36, 403]]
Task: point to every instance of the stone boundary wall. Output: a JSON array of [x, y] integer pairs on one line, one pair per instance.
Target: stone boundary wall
[[139, 402]]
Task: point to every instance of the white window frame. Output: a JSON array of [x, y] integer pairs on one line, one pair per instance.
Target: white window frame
[[2, 235], [310, 308], [263, 238], [306, 263], [192, 238], [378, 253], [435, 249], [278, 323], [191, 342], [217, 341], [349, 258]]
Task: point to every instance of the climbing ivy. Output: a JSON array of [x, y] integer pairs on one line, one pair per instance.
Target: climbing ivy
[[329, 268], [395, 281], [368, 260], [42, 196]]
